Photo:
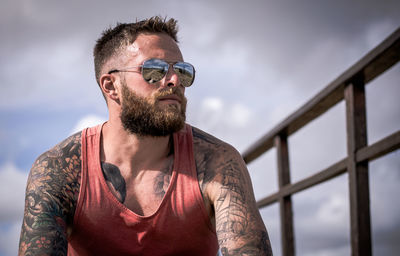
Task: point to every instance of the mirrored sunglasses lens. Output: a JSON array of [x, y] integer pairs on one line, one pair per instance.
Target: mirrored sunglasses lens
[[185, 72], [154, 70]]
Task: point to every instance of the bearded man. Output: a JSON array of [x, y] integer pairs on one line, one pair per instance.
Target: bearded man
[[144, 182]]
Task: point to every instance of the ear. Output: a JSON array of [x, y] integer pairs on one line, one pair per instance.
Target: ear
[[108, 86]]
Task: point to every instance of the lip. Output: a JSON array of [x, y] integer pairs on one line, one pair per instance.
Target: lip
[[171, 97]]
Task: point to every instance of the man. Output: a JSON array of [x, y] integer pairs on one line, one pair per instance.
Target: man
[[144, 182]]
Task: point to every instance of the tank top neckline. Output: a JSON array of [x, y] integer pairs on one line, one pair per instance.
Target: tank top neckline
[[112, 197]]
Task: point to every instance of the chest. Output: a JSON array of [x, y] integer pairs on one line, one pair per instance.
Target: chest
[[144, 196], [143, 192]]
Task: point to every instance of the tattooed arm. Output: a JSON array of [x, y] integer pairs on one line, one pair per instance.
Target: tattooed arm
[[226, 187], [51, 195]]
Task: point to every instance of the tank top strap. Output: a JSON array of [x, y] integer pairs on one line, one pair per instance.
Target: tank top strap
[[90, 143], [183, 143]]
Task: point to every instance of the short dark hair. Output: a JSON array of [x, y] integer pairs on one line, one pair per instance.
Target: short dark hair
[[113, 40]]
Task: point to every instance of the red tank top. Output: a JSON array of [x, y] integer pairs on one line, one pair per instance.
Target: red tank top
[[104, 226]]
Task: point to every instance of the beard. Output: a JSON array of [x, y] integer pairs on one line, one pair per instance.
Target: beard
[[143, 117]]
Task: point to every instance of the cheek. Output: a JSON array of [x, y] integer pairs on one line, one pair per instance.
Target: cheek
[[143, 90]]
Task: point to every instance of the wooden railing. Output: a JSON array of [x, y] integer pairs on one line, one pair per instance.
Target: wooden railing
[[350, 87]]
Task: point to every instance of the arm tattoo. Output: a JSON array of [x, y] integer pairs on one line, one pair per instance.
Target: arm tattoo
[[236, 219], [232, 205], [51, 195], [115, 181], [223, 177]]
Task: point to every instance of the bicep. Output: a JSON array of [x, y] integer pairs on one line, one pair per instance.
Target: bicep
[[44, 225], [239, 226]]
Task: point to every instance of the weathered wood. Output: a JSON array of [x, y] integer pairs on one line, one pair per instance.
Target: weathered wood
[[370, 66], [266, 201], [358, 172], [283, 160], [380, 148], [285, 202], [322, 176]]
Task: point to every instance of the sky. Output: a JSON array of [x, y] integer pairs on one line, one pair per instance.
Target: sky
[[256, 62]]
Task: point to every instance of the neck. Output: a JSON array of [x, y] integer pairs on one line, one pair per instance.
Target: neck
[[138, 152]]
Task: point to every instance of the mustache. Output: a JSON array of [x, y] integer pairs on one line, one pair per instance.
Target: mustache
[[169, 91]]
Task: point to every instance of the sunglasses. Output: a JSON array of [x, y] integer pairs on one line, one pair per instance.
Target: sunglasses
[[153, 70]]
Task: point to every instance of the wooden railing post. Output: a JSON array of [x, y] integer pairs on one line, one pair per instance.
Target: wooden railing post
[[358, 172], [285, 202]]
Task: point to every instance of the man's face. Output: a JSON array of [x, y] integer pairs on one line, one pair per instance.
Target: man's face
[[157, 109], [147, 117]]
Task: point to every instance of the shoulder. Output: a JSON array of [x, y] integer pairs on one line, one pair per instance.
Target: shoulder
[[205, 143], [56, 173], [62, 158], [214, 158], [68, 148]]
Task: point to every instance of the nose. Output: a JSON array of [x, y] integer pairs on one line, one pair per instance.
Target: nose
[[171, 78]]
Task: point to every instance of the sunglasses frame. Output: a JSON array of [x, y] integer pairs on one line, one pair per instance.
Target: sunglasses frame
[[163, 61]]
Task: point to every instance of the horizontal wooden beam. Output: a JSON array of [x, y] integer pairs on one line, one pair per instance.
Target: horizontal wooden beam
[[273, 198], [329, 173], [380, 148], [320, 177], [370, 66]]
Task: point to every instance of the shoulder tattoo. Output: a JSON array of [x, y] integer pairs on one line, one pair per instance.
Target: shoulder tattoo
[[206, 150], [51, 197]]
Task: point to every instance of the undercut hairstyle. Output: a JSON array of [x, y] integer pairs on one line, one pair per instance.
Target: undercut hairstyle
[[113, 40]]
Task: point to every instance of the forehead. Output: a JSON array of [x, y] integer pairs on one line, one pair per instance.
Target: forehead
[[148, 46]]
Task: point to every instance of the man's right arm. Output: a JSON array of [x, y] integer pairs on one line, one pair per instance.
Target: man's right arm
[[51, 195]]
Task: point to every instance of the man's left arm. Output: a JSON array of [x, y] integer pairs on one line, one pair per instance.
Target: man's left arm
[[239, 226], [229, 198], [226, 187]]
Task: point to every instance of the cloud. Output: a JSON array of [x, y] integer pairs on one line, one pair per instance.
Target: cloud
[[47, 74], [222, 118], [343, 250], [239, 115], [12, 189], [384, 187], [332, 209], [210, 113], [87, 121], [9, 238], [378, 30]]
